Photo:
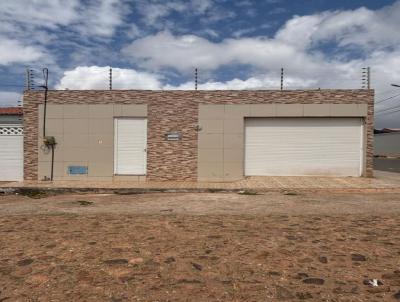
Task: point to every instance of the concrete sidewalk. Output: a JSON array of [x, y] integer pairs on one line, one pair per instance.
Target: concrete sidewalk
[[383, 181]]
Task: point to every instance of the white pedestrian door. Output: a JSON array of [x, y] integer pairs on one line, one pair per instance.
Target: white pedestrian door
[[303, 146], [11, 153], [130, 143]]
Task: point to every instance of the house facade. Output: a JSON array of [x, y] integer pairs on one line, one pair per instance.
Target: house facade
[[144, 135]]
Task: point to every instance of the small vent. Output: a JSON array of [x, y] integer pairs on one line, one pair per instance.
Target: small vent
[[11, 130]]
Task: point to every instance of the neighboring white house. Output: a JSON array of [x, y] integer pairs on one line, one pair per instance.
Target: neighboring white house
[[11, 144]]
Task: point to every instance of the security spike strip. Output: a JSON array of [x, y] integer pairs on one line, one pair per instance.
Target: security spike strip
[[195, 79], [31, 79], [365, 78], [110, 78], [27, 84]]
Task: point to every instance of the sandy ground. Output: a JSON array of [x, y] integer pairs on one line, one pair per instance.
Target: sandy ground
[[200, 247]]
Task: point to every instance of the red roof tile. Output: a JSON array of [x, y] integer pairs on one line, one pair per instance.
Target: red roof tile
[[10, 110]]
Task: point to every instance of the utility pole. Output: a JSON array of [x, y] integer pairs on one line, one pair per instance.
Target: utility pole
[[281, 78], [49, 141], [110, 78], [366, 78], [46, 89], [195, 79]]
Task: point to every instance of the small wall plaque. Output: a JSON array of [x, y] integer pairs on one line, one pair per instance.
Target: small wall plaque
[[77, 170], [173, 136]]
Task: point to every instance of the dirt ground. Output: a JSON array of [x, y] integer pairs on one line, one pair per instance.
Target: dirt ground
[[200, 247]]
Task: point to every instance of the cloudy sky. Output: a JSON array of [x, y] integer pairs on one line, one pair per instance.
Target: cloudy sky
[[235, 44]]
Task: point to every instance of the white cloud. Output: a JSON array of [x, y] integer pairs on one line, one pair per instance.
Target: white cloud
[[102, 17], [299, 31], [294, 47], [12, 51], [8, 98], [244, 31], [165, 50], [91, 18], [41, 13], [201, 6], [97, 77], [133, 31], [363, 27], [152, 11], [155, 13], [28, 28], [209, 32], [186, 52]]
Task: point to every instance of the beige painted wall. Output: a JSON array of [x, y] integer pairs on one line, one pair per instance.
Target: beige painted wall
[[85, 137], [221, 135]]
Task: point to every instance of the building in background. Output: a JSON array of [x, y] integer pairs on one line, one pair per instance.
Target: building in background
[[387, 142], [11, 116], [139, 135]]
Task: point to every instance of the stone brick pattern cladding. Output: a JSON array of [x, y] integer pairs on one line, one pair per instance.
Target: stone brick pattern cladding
[[178, 111]]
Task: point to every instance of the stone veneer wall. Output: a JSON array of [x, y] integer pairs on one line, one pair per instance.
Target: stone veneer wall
[[178, 110]]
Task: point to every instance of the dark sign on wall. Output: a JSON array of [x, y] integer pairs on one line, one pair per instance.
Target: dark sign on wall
[[173, 136]]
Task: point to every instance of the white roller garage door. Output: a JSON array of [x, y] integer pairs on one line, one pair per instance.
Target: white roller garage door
[[11, 153], [303, 146]]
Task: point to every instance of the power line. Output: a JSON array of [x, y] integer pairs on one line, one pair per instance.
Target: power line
[[386, 92], [386, 99], [385, 113], [383, 110]]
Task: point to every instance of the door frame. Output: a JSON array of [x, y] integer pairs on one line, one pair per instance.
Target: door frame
[[144, 118]]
